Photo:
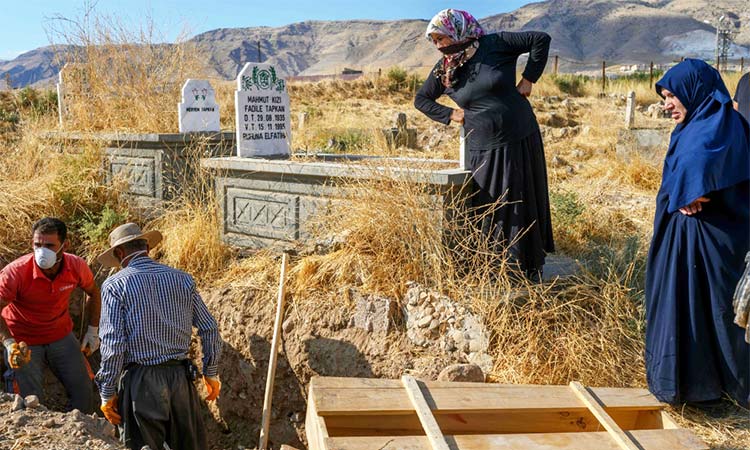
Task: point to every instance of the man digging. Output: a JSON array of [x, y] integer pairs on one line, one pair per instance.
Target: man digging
[[35, 323], [146, 377]]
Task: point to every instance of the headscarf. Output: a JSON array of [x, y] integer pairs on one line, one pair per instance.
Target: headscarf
[[709, 150], [463, 28]]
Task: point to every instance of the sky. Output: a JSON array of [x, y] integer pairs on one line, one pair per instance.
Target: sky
[[26, 24]]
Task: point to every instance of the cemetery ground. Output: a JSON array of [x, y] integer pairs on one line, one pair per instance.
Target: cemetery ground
[[587, 327]]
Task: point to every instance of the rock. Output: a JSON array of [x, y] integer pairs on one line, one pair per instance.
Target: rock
[[287, 447], [20, 420], [462, 372], [434, 324], [288, 325], [475, 346], [558, 161], [49, 423], [31, 401], [17, 403], [425, 321], [297, 417]]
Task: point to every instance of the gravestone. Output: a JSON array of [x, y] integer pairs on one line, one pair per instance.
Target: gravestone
[[60, 95], [263, 115], [400, 135], [198, 110], [630, 110]]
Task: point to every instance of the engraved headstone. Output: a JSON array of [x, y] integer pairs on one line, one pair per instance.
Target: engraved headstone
[[198, 110], [263, 116]]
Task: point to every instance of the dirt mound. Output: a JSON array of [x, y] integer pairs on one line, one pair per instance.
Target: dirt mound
[[318, 340], [35, 427]]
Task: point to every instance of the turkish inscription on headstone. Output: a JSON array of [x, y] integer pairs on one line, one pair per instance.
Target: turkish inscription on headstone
[[263, 116], [198, 110]]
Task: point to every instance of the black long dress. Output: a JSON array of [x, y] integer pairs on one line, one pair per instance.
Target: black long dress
[[502, 136]]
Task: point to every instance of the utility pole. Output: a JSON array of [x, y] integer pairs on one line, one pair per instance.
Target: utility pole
[[260, 59], [724, 35]]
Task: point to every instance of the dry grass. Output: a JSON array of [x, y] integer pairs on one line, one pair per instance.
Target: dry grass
[[588, 328], [118, 79]]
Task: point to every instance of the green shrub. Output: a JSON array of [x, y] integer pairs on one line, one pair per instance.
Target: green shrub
[[566, 207], [571, 84]]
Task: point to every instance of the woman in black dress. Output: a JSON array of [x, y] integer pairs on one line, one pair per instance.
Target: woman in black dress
[[478, 72]]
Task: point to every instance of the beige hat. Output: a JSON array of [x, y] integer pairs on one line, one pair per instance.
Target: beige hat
[[126, 233]]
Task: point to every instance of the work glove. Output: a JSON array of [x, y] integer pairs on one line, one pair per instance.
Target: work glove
[[90, 342], [18, 354], [213, 386], [109, 408]]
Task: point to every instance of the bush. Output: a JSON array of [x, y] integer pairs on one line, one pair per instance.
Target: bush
[[566, 207], [571, 84]]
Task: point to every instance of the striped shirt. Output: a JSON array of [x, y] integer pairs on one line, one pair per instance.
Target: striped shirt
[[148, 311]]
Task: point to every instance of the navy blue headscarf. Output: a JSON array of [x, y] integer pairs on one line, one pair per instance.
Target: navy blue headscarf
[[709, 150]]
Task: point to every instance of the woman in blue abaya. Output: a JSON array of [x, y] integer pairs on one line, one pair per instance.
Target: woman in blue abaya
[[694, 351]]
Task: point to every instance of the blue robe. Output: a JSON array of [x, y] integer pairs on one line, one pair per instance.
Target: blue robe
[[694, 351]]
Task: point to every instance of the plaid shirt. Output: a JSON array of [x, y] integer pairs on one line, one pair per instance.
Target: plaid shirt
[[148, 311]]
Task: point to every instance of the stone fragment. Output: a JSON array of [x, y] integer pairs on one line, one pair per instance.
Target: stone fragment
[[424, 322], [31, 401], [462, 372], [17, 403], [49, 423], [288, 325]]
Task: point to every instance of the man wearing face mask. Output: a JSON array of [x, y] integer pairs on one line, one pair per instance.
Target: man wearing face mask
[[35, 324], [148, 311]]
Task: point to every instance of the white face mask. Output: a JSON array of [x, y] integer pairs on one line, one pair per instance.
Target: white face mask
[[45, 258]]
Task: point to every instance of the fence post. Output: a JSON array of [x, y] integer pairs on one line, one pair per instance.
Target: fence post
[[651, 76], [742, 64], [556, 62], [604, 76], [259, 55]]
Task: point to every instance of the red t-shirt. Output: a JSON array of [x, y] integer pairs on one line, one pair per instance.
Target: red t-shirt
[[38, 310]]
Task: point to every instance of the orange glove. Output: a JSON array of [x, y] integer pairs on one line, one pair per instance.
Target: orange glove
[[213, 386], [109, 408], [18, 354]]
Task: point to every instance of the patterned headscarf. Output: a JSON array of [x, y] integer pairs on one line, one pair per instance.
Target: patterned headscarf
[[462, 28]]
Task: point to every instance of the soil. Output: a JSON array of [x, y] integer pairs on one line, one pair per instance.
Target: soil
[[316, 341]]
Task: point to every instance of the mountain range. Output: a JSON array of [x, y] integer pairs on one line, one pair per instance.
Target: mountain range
[[584, 33]]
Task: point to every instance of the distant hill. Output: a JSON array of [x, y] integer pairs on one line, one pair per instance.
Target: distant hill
[[584, 33]]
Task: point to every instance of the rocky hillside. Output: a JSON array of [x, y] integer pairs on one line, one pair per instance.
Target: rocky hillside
[[584, 33]]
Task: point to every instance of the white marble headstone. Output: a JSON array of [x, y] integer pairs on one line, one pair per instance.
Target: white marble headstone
[[60, 96], [198, 110], [263, 116]]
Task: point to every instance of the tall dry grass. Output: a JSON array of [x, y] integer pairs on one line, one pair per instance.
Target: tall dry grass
[[118, 77], [391, 231]]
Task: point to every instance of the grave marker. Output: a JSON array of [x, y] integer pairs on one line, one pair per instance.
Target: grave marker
[[198, 110], [263, 115]]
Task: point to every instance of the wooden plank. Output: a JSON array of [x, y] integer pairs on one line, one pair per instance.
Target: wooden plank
[[431, 428], [592, 403], [485, 423], [355, 396], [316, 430], [648, 439], [667, 421]]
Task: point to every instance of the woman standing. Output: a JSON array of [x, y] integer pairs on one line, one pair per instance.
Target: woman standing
[[478, 72], [694, 353]]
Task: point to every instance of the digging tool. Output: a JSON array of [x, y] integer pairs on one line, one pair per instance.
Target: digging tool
[[266, 421]]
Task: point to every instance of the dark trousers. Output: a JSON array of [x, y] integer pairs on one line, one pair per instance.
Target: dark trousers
[[65, 360], [159, 405]]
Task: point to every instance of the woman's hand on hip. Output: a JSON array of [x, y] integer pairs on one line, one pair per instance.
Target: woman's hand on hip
[[524, 87], [458, 116], [695, 206]]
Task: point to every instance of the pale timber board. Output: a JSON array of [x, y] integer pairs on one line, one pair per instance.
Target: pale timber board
[[315, 427], [488, 423], [647, 439], [354, 396], [623, 440], [429, 425]]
